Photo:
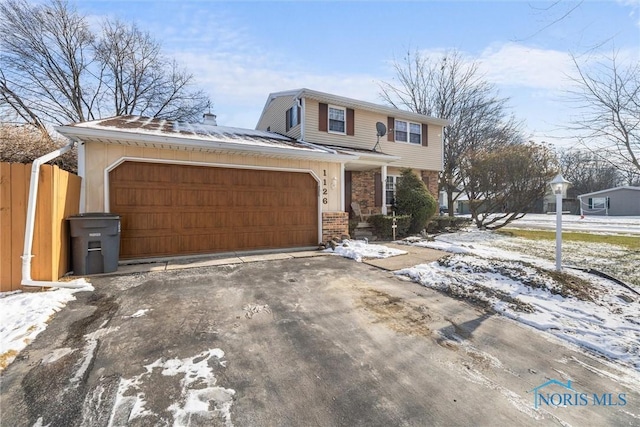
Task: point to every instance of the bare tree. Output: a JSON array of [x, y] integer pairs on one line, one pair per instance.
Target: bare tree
[[54, 69], [44, 59], [504, 183], [139, 80], [451, 88], [587, 172], [607, 101]]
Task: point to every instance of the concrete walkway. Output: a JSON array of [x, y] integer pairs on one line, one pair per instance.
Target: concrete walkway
[[415, 255], [180, 263]]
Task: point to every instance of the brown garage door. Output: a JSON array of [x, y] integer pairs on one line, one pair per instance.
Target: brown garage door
[[181, 209]]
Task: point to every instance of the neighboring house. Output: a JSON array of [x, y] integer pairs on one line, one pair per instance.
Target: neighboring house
[[548, 204], [184, 189], [619, 201], [349, 126]]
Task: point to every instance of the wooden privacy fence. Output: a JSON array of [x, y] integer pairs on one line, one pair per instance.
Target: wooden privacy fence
[[58, 198]]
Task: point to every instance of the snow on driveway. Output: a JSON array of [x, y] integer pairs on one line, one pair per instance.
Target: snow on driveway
[[199, 396], [23, 315]]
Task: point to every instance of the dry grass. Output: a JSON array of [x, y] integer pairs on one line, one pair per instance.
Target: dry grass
[[6, 358], [629, 242]]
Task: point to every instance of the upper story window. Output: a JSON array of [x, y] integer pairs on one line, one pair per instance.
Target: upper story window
[[337, 119], [408, 132], [293, 117]]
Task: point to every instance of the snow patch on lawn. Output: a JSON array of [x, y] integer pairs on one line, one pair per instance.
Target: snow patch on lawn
[[359, 249], [590, 311]]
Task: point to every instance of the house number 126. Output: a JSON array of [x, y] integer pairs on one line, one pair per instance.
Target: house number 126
[[325, 192]]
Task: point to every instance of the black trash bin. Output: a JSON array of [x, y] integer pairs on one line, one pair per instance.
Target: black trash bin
[[95, 242]]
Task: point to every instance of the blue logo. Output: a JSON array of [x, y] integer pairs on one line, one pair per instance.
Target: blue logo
[[555, 393]]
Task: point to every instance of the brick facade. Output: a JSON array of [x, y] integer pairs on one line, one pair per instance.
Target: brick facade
[[334, 225], [363, 188], [363, 191], [430, 178]]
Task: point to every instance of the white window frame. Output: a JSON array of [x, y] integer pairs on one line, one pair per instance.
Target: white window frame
[[408, 132], [394, 181], [599, 202], [344, 111], [293, 113]]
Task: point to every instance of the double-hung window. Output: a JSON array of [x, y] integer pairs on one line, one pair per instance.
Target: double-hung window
[[337, 119], [408, 132], [390, 189]]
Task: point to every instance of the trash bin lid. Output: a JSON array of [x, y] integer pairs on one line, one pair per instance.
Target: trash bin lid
[[94, 215]]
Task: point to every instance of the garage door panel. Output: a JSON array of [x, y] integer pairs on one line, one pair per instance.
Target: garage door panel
[[150, 196], [147, 221], [182, 209], [139, 246]]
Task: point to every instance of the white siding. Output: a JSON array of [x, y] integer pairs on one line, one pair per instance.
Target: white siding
[[274, 117]]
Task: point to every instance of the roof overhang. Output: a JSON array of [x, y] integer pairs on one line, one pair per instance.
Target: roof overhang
[[609, 190], [357, 104], [170, 142], [360, 160]]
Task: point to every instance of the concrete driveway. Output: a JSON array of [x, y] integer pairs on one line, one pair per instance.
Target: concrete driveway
[[320, 341]]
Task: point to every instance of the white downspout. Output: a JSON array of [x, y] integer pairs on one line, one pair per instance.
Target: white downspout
[[303, 109], [30, 225]]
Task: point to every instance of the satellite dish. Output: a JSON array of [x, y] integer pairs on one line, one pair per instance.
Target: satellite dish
[[382, 130]]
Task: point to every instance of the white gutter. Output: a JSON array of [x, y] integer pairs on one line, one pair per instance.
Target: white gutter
[[30, 225], [170, 141]]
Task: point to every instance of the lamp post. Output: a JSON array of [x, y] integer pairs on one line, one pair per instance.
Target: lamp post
[[559, 186]]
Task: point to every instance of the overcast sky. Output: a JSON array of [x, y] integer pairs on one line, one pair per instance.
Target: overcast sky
[[241, 51]]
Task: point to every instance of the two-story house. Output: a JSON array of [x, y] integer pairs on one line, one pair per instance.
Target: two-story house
[[352, 127], [189, 188]]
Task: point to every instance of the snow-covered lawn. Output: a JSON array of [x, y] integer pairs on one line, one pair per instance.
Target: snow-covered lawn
[[586, 223], [516, 277], [23, 315]]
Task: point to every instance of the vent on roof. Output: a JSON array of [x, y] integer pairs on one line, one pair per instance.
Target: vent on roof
[[209, 119]]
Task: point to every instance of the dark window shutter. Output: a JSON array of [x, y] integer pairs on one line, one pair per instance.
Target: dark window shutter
[[350, 122], [391, 124], [347, 193], [299, 115], [377, 178], [608, 203], [323, 117], [425, 136], [590, 203], [287, 118]]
